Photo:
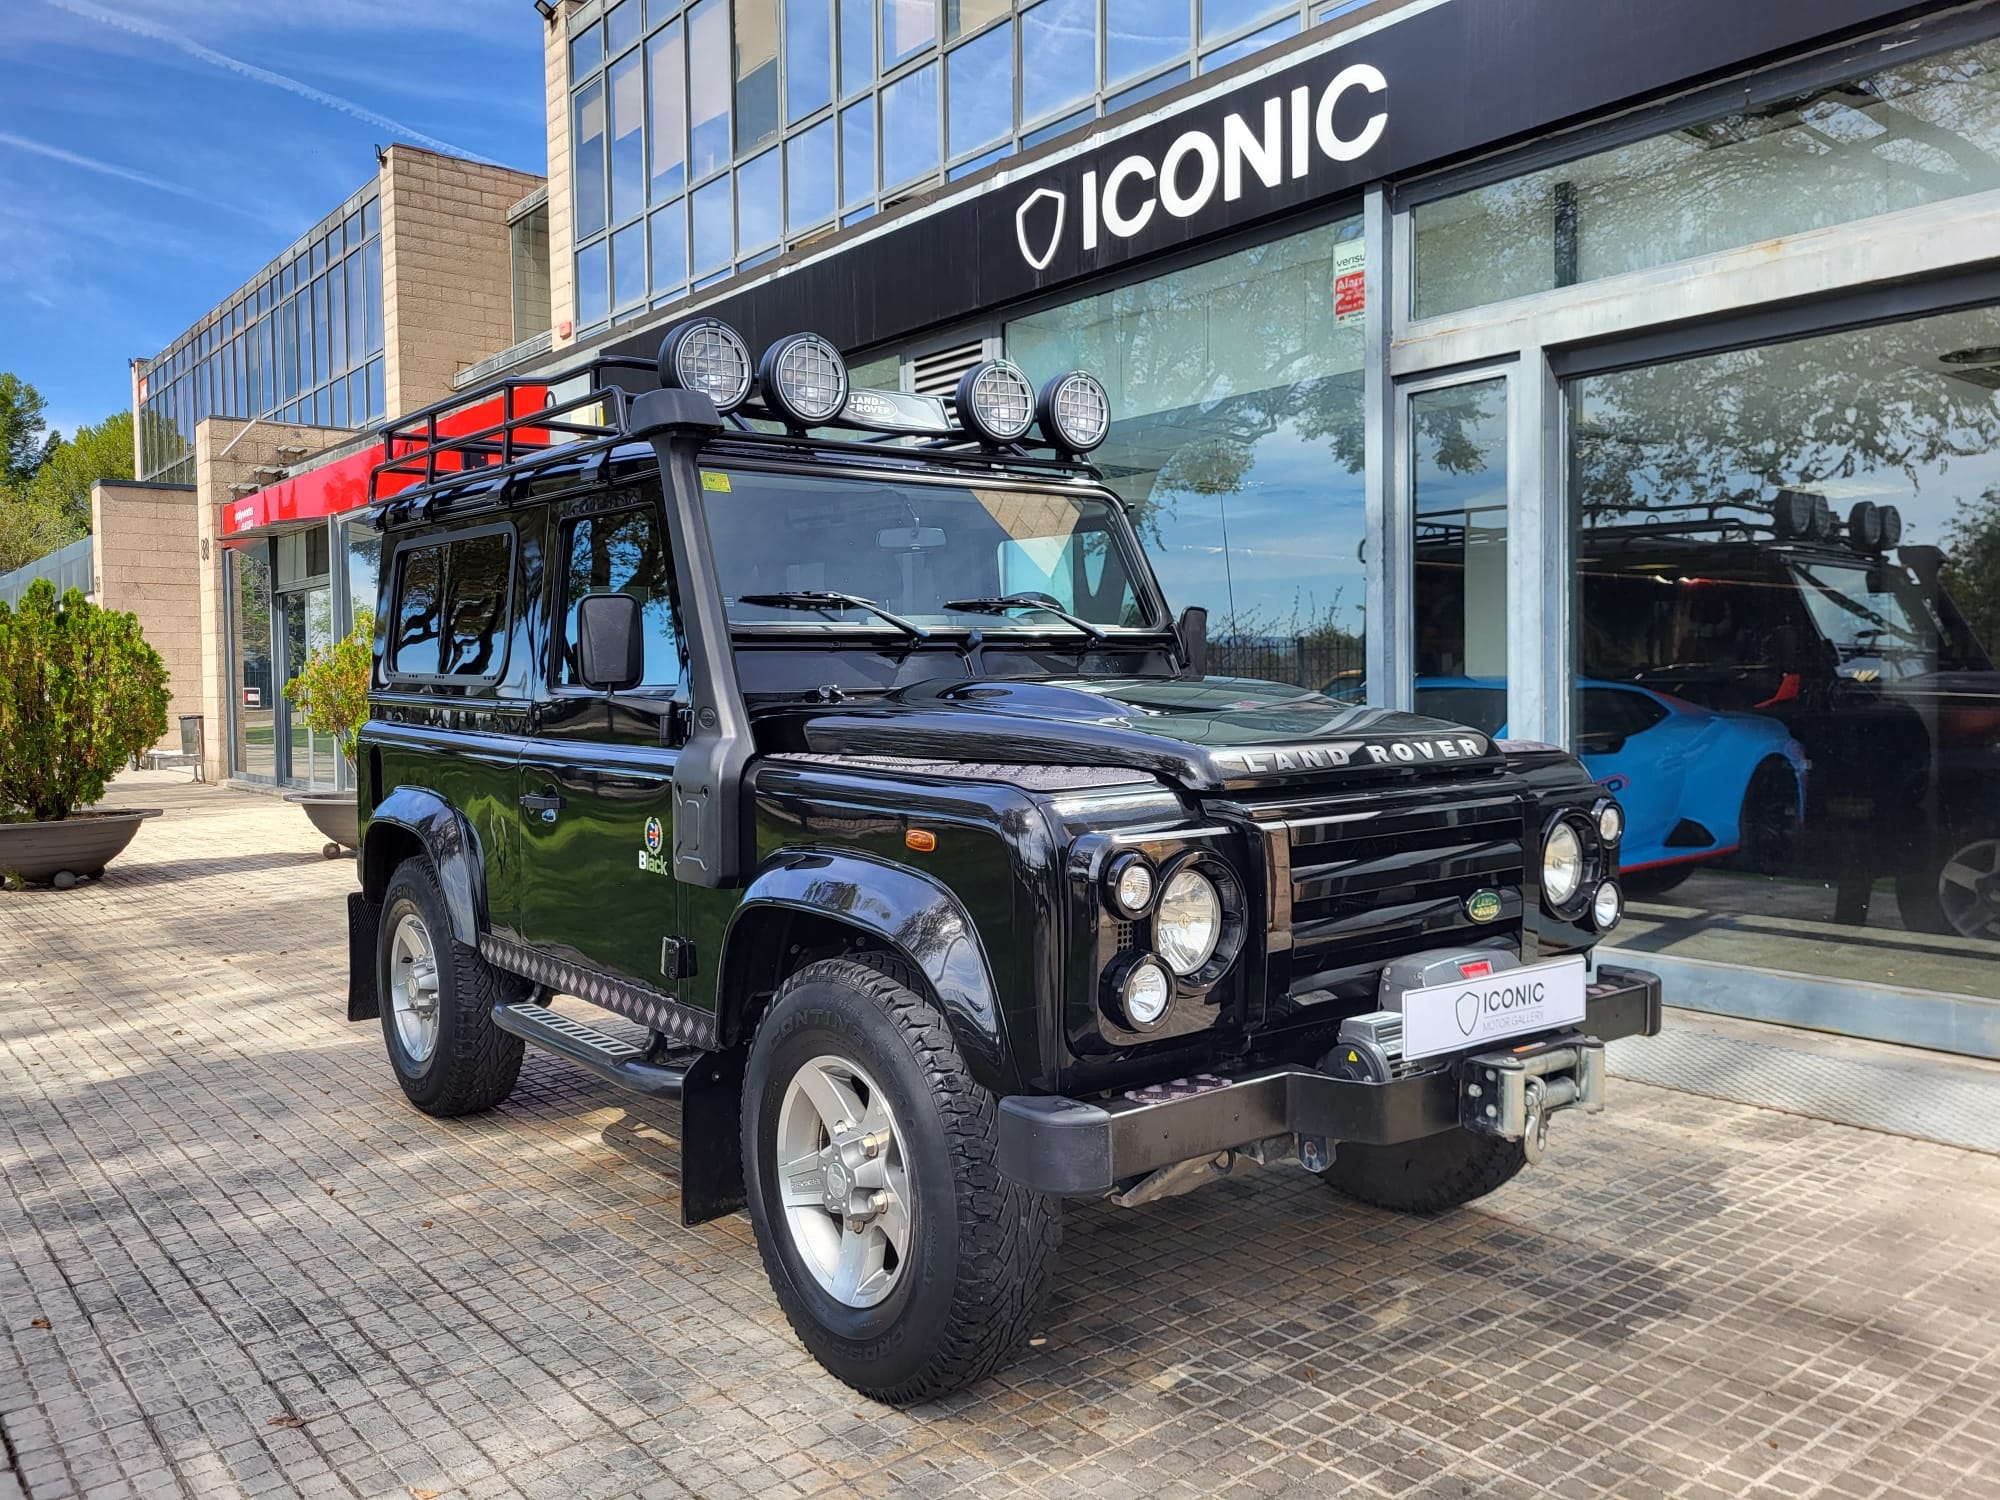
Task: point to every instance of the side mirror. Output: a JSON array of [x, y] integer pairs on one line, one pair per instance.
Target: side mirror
[[610, 644], [1193, 631]]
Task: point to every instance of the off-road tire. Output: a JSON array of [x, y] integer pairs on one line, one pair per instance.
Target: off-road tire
[[1428, 1175], [1920, 902], [474, 1064], [983, 1249]]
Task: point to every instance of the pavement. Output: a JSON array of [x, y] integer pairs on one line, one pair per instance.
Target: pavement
[[237, 1263]]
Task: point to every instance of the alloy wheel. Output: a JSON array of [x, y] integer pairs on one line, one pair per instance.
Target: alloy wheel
[[413, 987], [1969, 889], [843, 1180]]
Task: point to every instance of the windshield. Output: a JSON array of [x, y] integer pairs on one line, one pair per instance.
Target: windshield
[[1866, 621], [920, 554]]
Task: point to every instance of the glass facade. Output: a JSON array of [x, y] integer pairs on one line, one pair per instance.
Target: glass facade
[[732, 128], [1236, 389], [301, 343], [1916, 133]]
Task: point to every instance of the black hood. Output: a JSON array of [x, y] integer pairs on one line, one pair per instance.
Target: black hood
[[1208, 734]]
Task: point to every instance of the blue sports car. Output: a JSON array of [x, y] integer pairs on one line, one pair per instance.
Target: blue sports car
[[1696, 785]]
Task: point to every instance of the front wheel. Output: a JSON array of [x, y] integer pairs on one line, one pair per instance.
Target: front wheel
[[1428, 1175], [905, 1262], [1956, 893]]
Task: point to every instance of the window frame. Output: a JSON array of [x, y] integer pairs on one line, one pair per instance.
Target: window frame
[[595, 506], [444, 540]]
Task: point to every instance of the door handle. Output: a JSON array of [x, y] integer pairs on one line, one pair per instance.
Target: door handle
[[546, 803]]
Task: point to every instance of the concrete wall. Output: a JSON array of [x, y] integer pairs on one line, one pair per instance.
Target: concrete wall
[[562, 216], [146, 556], [446, 270]]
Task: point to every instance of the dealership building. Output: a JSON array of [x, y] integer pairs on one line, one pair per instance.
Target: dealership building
[[1617, 376]]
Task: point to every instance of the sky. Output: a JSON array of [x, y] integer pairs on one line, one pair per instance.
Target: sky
[[155, 154]]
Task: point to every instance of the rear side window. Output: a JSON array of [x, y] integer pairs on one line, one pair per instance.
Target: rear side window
[[450, 609], [623, 552]]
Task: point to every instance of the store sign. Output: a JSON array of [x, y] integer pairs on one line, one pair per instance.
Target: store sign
[[1278, 139]]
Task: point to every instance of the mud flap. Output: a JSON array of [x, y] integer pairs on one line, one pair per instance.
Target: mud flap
[[364, 917], [711, 1137]]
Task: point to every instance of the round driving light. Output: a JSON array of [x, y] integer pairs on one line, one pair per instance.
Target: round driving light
[[1189, 921], [1132, 886], [1611, 822], [803, 380], [995, 402], [1606, 907], [1562, 865], [707, 355], [1146, 994], [1074, 412]]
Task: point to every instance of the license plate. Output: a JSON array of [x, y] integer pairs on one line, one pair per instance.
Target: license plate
[[1472, 1012]]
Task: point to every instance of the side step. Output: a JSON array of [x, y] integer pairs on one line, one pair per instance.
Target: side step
[[609, 1058]]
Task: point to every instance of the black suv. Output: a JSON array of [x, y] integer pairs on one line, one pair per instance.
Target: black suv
[[842, 740]]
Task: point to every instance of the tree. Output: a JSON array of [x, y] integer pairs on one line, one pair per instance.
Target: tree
[[23, 430], [1971, 571], [29, 529], [73, 464]]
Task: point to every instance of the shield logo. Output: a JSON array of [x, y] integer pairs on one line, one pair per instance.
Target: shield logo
[[1483, 906], [1467, 1009], [655, 835], [1036, 225]]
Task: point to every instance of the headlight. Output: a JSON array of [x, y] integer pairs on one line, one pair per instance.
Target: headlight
[[1189, 921], [1610, 822], [1606, 907], [1562, 865], [1145, 994]]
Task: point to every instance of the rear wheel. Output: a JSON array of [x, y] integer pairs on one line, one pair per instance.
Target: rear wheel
[[1956, 893], [437, 1003], [1769, 830], [905, 1262], [1425, 1176]]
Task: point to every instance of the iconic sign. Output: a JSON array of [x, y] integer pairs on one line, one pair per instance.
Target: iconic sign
[[1277, 139], [1514, 1002]]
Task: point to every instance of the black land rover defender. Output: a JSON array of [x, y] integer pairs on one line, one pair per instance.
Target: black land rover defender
[[842, 740]]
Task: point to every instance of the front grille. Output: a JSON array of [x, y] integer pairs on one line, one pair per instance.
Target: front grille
[[1380, 879]]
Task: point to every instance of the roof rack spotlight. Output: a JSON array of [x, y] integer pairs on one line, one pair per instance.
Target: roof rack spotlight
[[1864, 526], [995, 402], [803, 380], [707, 355], [1802, 515], [1074, 412], [1892, 527]]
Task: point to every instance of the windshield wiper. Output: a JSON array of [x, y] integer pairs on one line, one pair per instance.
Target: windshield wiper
[[1008, 603], [826, 599]]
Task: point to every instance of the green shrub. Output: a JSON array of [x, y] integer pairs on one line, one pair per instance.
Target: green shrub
[[80, 694], [331, 690]]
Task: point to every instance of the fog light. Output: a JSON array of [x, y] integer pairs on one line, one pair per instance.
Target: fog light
[[1131, 886], [1606, 907], [1610, 822], [707, 355], [1562, 865], [1145, 994], [995, 402]]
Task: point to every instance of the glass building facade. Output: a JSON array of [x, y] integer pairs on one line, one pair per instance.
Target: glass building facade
[[300, 343], [706, 138]]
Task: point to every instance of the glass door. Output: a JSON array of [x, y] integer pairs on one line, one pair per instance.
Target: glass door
[[1455, 484], [305, 625]]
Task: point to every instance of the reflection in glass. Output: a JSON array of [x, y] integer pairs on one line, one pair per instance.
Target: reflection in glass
[[666, 62], [808, 57], [963, 16], [714, 227], [857, 45], [982, 91], [628, 138], [593, 285], [708, 85], [1236, 390], [908, 26], [910, 127], [809, 176], [760, 202], [255, 749], [588, 128], [1915, 133], [756, 72], [1829, 754], [628, 266], [622, 553], [1257, 41], [1220, 17], [670, 248], [1458, 467], [1058, 55], [1143, 34]]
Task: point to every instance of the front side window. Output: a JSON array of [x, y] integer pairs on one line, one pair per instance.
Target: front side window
[[917, 551], [621, 553], [451, 607]]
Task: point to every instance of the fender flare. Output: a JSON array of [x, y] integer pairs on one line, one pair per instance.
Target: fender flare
[[448, 840], [913, 914]]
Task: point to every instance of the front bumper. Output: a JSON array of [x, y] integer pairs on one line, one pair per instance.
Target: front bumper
[[1081, 1148]]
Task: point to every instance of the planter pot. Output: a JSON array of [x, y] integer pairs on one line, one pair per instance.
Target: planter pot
[[77, 848], [335, 816]]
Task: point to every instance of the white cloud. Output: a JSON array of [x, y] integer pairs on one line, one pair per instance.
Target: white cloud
[[123, 174], [162, 32]]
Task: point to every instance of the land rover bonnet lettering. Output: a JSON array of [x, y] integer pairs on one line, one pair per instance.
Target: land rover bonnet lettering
[[1269, 142], [1276, 761]]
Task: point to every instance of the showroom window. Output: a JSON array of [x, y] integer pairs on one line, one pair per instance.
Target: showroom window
[[1236, 393], [1925, 130], [1458, 471], [1799, 587]]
